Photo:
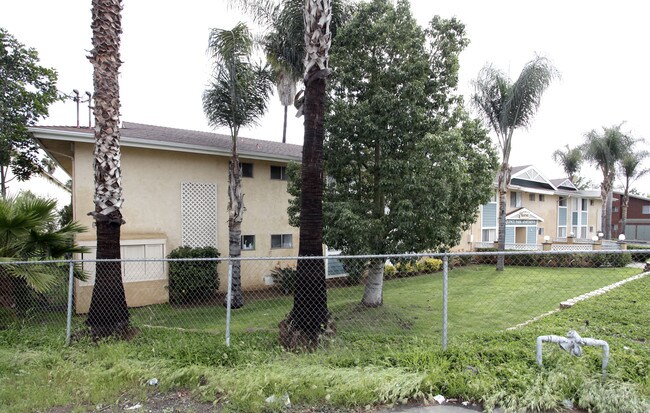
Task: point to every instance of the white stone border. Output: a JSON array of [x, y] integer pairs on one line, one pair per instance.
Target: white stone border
[[571, 302]]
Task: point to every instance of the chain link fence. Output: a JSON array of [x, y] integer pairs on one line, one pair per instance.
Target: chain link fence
[[434, 295]]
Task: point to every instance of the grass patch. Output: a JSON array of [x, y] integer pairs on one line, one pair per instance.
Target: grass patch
[[364, 364]]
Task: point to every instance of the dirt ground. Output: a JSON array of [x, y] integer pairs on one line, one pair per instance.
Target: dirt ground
[[180, 401]]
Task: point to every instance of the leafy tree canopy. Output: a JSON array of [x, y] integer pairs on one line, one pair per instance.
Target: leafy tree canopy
[[26, 91], [406, 166]]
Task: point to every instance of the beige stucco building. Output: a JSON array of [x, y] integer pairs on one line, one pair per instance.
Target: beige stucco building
[[176, 193], [537, 207]]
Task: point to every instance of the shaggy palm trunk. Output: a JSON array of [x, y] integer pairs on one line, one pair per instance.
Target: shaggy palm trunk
[[108, 312], [625, 203], [373, 295], [606, 218], [235, 217], [309, 317], [503, 179]]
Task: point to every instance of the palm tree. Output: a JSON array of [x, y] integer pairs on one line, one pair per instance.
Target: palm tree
[[605, 150], [108, 312], [237, 96], [29, 231], [570, 160], [284, 48], [630, 169], [507, 106], [309, 317]]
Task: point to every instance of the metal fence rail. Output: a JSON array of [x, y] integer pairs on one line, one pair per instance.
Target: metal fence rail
[[442, 296]]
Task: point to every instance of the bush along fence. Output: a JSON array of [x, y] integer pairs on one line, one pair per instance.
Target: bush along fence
[[444, 296]]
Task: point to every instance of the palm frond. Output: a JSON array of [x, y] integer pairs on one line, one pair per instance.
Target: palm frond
[[230, 47], [526, 92], [38, 276]]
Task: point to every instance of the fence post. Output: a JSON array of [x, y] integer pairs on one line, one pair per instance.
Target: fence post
[[445, 273], [68, 328], [228, 303]]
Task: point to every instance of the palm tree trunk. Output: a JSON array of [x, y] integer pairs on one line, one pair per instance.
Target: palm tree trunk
[[108, 312], [503, 180], [373, 291], [284, 128], [307, 320], [625, 202], [309, 317], [235, 217]]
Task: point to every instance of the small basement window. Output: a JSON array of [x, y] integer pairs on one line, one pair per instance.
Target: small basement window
[[281, 241]]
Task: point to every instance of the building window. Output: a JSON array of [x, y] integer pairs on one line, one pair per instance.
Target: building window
[[515, 199], [540, 231], [531, 197], [279, 172], [615, 209], [246, 169], [248, 242], [561, 232], [591, 202], [541, 197], [282, 241], [489, 235], [646, 210]]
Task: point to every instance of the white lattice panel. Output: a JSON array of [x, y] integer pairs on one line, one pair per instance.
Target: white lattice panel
[[571, 247], [199, 214]]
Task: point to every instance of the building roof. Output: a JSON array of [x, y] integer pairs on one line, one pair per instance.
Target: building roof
[[159, 137]]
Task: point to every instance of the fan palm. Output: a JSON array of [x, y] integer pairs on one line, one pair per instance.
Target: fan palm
[[570, 160], [508, 106], [630, 169], [108, 314], [605, 150], [237, 96], [28, 232]]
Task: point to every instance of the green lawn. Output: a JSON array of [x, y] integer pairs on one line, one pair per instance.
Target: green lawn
[[361, 366], [480, 299]]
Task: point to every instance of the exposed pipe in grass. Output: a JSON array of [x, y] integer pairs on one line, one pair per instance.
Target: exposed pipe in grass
[[573, 344]]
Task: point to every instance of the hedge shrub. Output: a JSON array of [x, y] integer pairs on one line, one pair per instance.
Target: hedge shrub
[[285, 277], [192, 281]]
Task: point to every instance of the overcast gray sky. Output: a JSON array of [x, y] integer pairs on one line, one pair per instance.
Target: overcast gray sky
[[599, 47]]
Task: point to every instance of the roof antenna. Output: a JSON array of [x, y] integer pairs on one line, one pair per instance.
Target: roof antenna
[[77, 99]]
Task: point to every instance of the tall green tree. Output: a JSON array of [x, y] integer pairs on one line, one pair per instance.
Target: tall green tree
[[108, 313], [236, 97], [406, 167], [604, 150], [508, 106], [570, 159], [26, 92], [630, 169]]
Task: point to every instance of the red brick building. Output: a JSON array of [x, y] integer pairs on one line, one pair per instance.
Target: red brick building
[[638, 217]]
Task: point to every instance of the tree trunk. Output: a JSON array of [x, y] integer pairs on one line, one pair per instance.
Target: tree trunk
[[3, 183], [503, 180], [309, 317], [625, 203], [603, 207], [284, 128], [373, 292], [236, 212], [610, 199], [108, 314]]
